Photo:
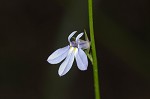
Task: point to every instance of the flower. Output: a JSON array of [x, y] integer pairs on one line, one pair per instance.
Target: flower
[[73, 51]]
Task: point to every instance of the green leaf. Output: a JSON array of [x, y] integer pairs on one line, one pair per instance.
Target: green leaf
[[86, 36], [89, 56]]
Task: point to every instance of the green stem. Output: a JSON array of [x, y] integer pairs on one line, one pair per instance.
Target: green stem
[[95, 67]]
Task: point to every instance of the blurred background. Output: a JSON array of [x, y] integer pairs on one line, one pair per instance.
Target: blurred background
[[30, 30]]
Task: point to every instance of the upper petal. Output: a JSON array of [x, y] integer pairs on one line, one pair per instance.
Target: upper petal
[[58, 55], [81, 59], [78, 37], [70, 36], [67, 64]]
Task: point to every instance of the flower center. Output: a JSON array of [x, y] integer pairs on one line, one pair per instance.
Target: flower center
[[74, 44]]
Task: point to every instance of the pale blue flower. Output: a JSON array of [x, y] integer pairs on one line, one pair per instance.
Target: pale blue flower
[[73, 50]]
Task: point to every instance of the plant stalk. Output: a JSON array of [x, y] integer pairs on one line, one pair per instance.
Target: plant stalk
[[95, 67]]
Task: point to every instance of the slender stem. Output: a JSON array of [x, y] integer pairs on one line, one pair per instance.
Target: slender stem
[[95, 67]]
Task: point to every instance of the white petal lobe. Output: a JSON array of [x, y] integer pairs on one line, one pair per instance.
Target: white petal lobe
[[70, 36], [58, 55], [67, 64], [78, 37], [81, 59]]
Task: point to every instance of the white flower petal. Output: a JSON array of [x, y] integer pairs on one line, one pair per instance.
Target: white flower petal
[[78, 37], [81, 59], [67, 64], [58, 55], [70, 36]]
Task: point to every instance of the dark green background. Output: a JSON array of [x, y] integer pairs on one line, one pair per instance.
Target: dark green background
[[30, 30]]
